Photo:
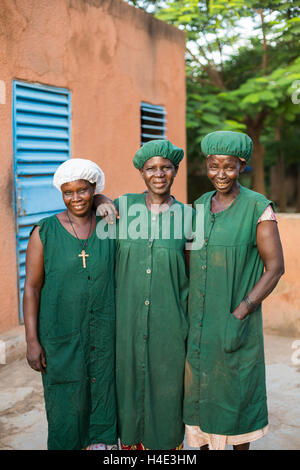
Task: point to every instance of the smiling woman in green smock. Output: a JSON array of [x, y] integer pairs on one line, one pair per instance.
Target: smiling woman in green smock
[[69, 315], [238, 266], [151, 307]]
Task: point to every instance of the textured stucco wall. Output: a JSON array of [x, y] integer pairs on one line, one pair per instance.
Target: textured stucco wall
[[112, 57], [281, 310]]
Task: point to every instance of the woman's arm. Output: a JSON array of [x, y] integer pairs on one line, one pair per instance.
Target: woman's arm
[[105, 208], [31, 300], [270, 250]]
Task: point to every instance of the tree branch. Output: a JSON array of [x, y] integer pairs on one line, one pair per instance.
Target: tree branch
[[210, 69], [221, 58], [265, 45], [257, 122]]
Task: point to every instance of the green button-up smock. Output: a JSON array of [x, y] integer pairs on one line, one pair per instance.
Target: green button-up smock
[[77, 332], [151, 325], [225, 372]]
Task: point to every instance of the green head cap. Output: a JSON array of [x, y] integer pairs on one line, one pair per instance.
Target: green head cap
[[158, 148], [237, 144]]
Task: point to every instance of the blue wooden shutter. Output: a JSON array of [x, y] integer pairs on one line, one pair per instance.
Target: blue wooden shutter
[[41, 142], [153, 122]]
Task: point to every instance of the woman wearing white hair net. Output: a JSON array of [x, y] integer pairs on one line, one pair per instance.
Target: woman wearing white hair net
[[69, 314]]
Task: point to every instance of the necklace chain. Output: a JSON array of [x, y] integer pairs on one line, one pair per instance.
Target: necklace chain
[[83, 244]]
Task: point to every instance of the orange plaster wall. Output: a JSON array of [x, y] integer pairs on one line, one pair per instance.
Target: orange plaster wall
[[8, 269], [112, 57], [281, 310]]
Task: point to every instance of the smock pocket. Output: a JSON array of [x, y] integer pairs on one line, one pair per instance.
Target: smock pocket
[[236, 333], [65, 359]]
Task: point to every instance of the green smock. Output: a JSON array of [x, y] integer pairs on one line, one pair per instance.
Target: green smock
[[151, 326], [77, 332], [225, 389]]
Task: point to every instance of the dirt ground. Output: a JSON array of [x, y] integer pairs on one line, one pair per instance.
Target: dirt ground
[[23, 422]]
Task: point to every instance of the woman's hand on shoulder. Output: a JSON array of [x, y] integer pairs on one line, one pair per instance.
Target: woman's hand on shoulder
[[105, 207]]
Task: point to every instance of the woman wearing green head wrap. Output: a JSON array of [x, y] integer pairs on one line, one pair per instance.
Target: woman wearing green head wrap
[[151, 304], [237, 267]]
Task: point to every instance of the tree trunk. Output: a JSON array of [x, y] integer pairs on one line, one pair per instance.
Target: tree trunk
[[281, 183], [298, 190], [274, 184], [280, 170], [257, 160], [265, 46]]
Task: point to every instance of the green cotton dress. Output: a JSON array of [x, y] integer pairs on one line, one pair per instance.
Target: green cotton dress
[[77, 331], [151, 324], [225, 390]]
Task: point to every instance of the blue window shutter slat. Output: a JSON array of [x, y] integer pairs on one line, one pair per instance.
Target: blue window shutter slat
[[153, 122], [41, 142]]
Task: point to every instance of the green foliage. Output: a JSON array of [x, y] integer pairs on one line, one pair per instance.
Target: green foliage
[[234, 80], [272, 93]]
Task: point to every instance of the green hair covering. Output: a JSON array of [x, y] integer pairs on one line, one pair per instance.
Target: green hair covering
[[158, 148], [237, 144]]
